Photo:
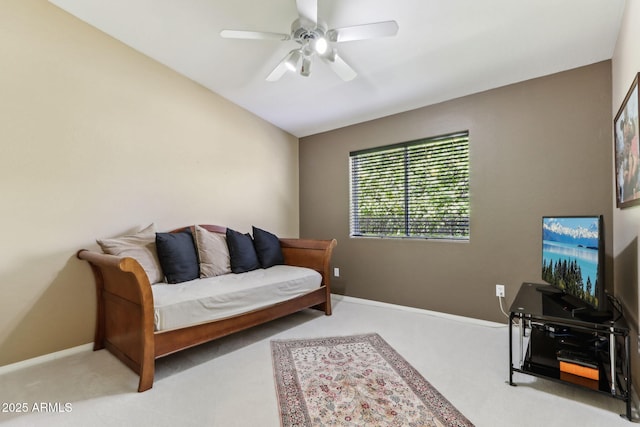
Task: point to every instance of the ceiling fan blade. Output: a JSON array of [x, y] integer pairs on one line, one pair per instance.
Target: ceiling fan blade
[[364, 31], [340, 67], [286, 64], [308, 9], [253, 35]]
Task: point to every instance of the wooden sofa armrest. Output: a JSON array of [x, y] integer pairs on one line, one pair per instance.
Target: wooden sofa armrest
[[314, 254], [124, 318], [122, 276]]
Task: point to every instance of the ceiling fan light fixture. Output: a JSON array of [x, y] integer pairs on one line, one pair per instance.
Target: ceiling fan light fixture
[[305, 69], [292, 61], [321, 45]]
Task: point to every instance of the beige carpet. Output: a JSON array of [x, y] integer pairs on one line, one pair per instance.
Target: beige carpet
[[229, 382]]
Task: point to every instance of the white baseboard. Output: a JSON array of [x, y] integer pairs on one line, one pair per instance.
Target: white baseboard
[[45, 358], [480, 322]]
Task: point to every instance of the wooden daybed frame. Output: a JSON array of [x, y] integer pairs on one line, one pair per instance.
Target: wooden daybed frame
[[125, 311]]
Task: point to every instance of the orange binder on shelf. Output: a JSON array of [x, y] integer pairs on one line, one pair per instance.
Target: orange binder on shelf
[[580, 370]]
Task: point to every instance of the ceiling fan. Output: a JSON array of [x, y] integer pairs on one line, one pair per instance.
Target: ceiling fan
[[315, 40]]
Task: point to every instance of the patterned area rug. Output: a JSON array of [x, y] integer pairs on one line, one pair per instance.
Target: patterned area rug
[[354, 381]]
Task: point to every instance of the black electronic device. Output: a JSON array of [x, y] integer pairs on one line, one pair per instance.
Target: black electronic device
[[573, 266]]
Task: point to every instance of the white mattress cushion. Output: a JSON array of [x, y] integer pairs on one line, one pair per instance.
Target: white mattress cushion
[[211, 298]]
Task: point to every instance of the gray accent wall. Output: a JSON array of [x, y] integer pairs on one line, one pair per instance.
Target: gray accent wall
[[540, 147]]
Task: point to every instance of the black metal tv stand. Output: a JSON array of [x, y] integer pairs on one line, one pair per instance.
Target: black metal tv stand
[[551, 332]]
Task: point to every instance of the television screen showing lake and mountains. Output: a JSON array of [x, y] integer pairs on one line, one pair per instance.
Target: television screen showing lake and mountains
[[570, 255]]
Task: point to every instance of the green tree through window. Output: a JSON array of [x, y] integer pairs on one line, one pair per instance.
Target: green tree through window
[[414, 189]]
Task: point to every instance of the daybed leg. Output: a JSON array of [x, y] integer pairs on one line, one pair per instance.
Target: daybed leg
[[144, 384], [98, 337], [326, 307], [148, 361], [146, 376]]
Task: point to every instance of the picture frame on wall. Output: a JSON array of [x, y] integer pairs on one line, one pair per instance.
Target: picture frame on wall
[[627, 156]]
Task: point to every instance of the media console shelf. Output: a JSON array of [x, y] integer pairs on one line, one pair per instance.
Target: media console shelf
[[555, 344]]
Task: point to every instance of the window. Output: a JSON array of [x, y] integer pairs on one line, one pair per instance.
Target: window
[[417, 189]]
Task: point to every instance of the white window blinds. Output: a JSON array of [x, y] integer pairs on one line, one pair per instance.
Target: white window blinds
[[414, 189]]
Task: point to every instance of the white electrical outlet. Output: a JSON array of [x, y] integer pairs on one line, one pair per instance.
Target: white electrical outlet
[[336, 272], [500, 291]]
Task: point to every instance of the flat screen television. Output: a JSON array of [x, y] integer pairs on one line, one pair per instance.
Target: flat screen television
[[573, 262]]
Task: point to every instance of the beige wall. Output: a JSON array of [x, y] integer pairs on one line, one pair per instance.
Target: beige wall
[[542, 147], [625, 65], [97, 140]]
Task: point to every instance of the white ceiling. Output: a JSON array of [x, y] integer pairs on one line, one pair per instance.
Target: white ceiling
[[444, 49]]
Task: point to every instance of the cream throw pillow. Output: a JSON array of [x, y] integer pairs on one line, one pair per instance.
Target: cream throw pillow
[[213, 253], [140, 246]]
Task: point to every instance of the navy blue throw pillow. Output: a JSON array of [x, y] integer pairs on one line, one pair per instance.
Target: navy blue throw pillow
[[268, 248], [242, 254], [178, 257]]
